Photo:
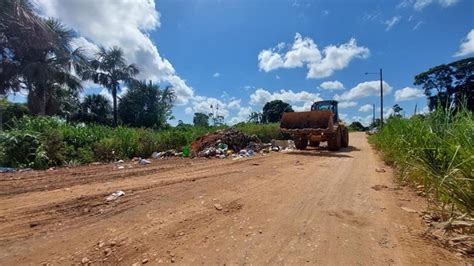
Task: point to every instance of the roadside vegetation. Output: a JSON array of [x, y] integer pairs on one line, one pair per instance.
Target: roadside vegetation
[[41, 142], [435, 151]]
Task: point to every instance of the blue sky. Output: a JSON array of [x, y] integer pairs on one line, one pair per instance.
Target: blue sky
[[239, 54]]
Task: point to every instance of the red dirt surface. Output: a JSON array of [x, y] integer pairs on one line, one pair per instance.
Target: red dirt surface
[[312, 206]]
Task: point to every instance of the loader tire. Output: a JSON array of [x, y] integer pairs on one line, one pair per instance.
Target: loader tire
[[334, 141], [345, 138], [314, 143], [301, 143]]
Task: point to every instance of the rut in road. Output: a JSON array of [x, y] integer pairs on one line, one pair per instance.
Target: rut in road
[[309, 206]]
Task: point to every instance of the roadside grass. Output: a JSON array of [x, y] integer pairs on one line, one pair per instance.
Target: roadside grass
[[42, 142], [436, 151]]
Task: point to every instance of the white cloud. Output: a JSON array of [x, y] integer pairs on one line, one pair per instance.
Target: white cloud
[[337, 58], [344, 105], [447, 3], [216, 75], [392, 22], [467, 46], [188, 110], [125, 24], [331, 85], [366, 108], [242, 115], [277, 77], [417, 25], [235, 104], [419, 5], [262, 96], [364, 89], [201, 104], [408, 93], [305, 52]]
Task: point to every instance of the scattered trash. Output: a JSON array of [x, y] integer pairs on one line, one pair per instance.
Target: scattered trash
[[408, 210], [186, 151], [115, 195], [156, 155], [144, 161], [7, 170], [119, 161], [218, 207], [225, 142], [380, 170], [25, 170], [120, 167]]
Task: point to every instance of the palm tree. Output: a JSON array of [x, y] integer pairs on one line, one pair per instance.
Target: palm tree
[[96, 108], [109, 69], [49, 70]]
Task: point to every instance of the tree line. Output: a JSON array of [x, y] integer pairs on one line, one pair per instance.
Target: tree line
[[37, 57]]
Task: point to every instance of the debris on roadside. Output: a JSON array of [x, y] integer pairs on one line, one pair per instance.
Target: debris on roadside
[[218, 207], [144, 161], [7, 170], [115, 195], [226, 143], [454, 232]]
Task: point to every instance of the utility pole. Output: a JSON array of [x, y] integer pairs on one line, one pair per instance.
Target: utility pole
[[373, 113], [381, 99], [381, 95], [414, 113]]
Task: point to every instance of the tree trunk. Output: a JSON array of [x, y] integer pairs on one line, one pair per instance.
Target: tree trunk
[[114, 97]]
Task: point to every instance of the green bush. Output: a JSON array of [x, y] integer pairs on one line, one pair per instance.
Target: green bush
[[436, 151], [41, 142]]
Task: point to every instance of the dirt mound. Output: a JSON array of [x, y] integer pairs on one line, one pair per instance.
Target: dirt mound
[[233, 138]]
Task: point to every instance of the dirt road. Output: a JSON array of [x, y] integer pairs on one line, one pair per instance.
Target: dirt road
[[311, 207]]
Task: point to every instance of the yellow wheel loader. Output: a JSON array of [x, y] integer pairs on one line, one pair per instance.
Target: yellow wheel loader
[[320, 124]]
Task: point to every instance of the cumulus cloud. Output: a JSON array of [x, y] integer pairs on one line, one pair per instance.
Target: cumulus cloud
[[364, 89], [242, 115], [344, 105], [262, 96], [331, 85], [305, 52], [120, 23], [392, 22], [467, 46], [235, 104], [366, 108], [207, 105], [447, 3], [408, 93]]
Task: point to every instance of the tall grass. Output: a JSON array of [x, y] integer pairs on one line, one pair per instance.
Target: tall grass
[[436, 151], [40, 142]]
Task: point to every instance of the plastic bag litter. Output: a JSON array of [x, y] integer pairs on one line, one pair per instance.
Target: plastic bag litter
[[7, 170], [115, 195], [144, 161], [156, 155]]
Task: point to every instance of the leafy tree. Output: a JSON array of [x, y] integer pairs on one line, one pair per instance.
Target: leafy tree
[[256, 117], [375, 123], [109, 69], [146, 105], [217, 120], [95, 108], [201, 120], [397, 109], [272, 111], [21, 31], [12, 111], [357, 126], [449, 85]]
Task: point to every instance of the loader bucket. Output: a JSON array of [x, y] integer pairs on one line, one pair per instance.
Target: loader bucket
[[313, 119]]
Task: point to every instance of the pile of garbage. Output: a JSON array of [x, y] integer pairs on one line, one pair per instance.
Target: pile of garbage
[[226, 143]]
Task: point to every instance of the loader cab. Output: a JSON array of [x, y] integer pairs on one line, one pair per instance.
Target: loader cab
[[326, 105]]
